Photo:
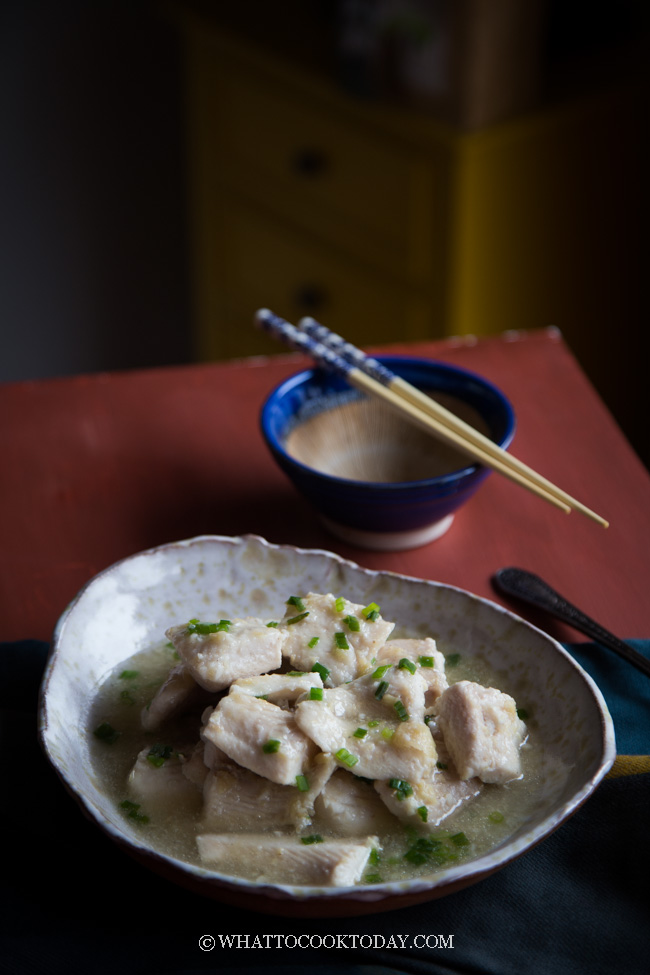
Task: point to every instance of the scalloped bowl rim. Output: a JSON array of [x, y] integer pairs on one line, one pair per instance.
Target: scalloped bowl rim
[[434, 885]]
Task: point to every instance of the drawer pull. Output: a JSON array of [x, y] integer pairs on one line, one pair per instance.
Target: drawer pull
[[311, 297], [310, 162]]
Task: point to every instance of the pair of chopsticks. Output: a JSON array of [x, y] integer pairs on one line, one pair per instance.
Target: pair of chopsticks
[[373, 378]]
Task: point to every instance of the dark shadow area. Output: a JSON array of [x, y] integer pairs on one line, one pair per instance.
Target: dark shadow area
[[94, 271]]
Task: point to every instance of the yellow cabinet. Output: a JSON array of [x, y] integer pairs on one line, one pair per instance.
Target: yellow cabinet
[[301, 206], [294, 275], [389, 225]]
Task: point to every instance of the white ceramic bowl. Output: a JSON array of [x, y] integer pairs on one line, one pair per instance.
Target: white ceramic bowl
[[128, 606]]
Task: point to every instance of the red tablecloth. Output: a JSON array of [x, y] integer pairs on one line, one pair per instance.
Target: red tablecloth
[[95, 468]]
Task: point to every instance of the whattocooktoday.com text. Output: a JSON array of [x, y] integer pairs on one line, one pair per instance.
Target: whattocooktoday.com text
[[209, 942]]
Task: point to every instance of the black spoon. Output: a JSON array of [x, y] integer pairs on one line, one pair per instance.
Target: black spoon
[[531, 589]]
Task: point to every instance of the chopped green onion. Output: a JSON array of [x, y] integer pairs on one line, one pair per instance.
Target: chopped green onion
[[341, 641], [522, 713], [428, 718], [371, 612], [360, 733], [302, 783], [132, 811], [314, 838], [169, 646], [372, 878], [395, 783], [158, 754], [271, 746], [297, 602], [387, 733], [442, 766], [406, 664], [402, 713], [312, 643], [423, 813], [402, 789], [425, 661], [426, 849], [262, 697], [379, 673], [273, 623], [296, 673], [296, 619], [340, 604], [496, 817], [321, 670], [130, 674], [452, 659], [381, 689], [353, 623], [346, 757], [374, 856], [415, 855], [373, 724], [315, 693], [204, 628], [106, 732], [459, 839], [195, 626]]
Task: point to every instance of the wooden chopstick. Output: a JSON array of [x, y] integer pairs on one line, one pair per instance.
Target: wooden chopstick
[[416, 397], [437, 412], [362, 372], [431, 424]]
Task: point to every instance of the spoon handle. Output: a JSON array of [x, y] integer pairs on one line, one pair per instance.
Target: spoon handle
[[531, 589]]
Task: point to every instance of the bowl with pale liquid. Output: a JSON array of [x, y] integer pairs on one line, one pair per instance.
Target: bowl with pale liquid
[[376, 480]]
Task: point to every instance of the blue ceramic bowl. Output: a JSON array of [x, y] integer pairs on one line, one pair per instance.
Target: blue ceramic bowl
[[388, 514]]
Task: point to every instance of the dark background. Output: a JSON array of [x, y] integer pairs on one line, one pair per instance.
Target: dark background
[[95, 266]]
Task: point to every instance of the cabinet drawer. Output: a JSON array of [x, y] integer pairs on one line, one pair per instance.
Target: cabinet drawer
[[268, 265], [314, 166], [322, 158]]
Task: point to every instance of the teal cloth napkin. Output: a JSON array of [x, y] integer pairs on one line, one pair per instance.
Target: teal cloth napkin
[[626, 692], [71, 902]]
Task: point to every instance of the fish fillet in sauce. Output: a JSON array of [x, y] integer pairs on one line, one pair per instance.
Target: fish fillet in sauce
[[391, 745], [337, 863], [482, 732], [242, 648], [364, 732], [313, 637], [260, 736]]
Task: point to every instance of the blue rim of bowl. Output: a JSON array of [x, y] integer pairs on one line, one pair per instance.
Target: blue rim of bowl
[[392, 362]]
